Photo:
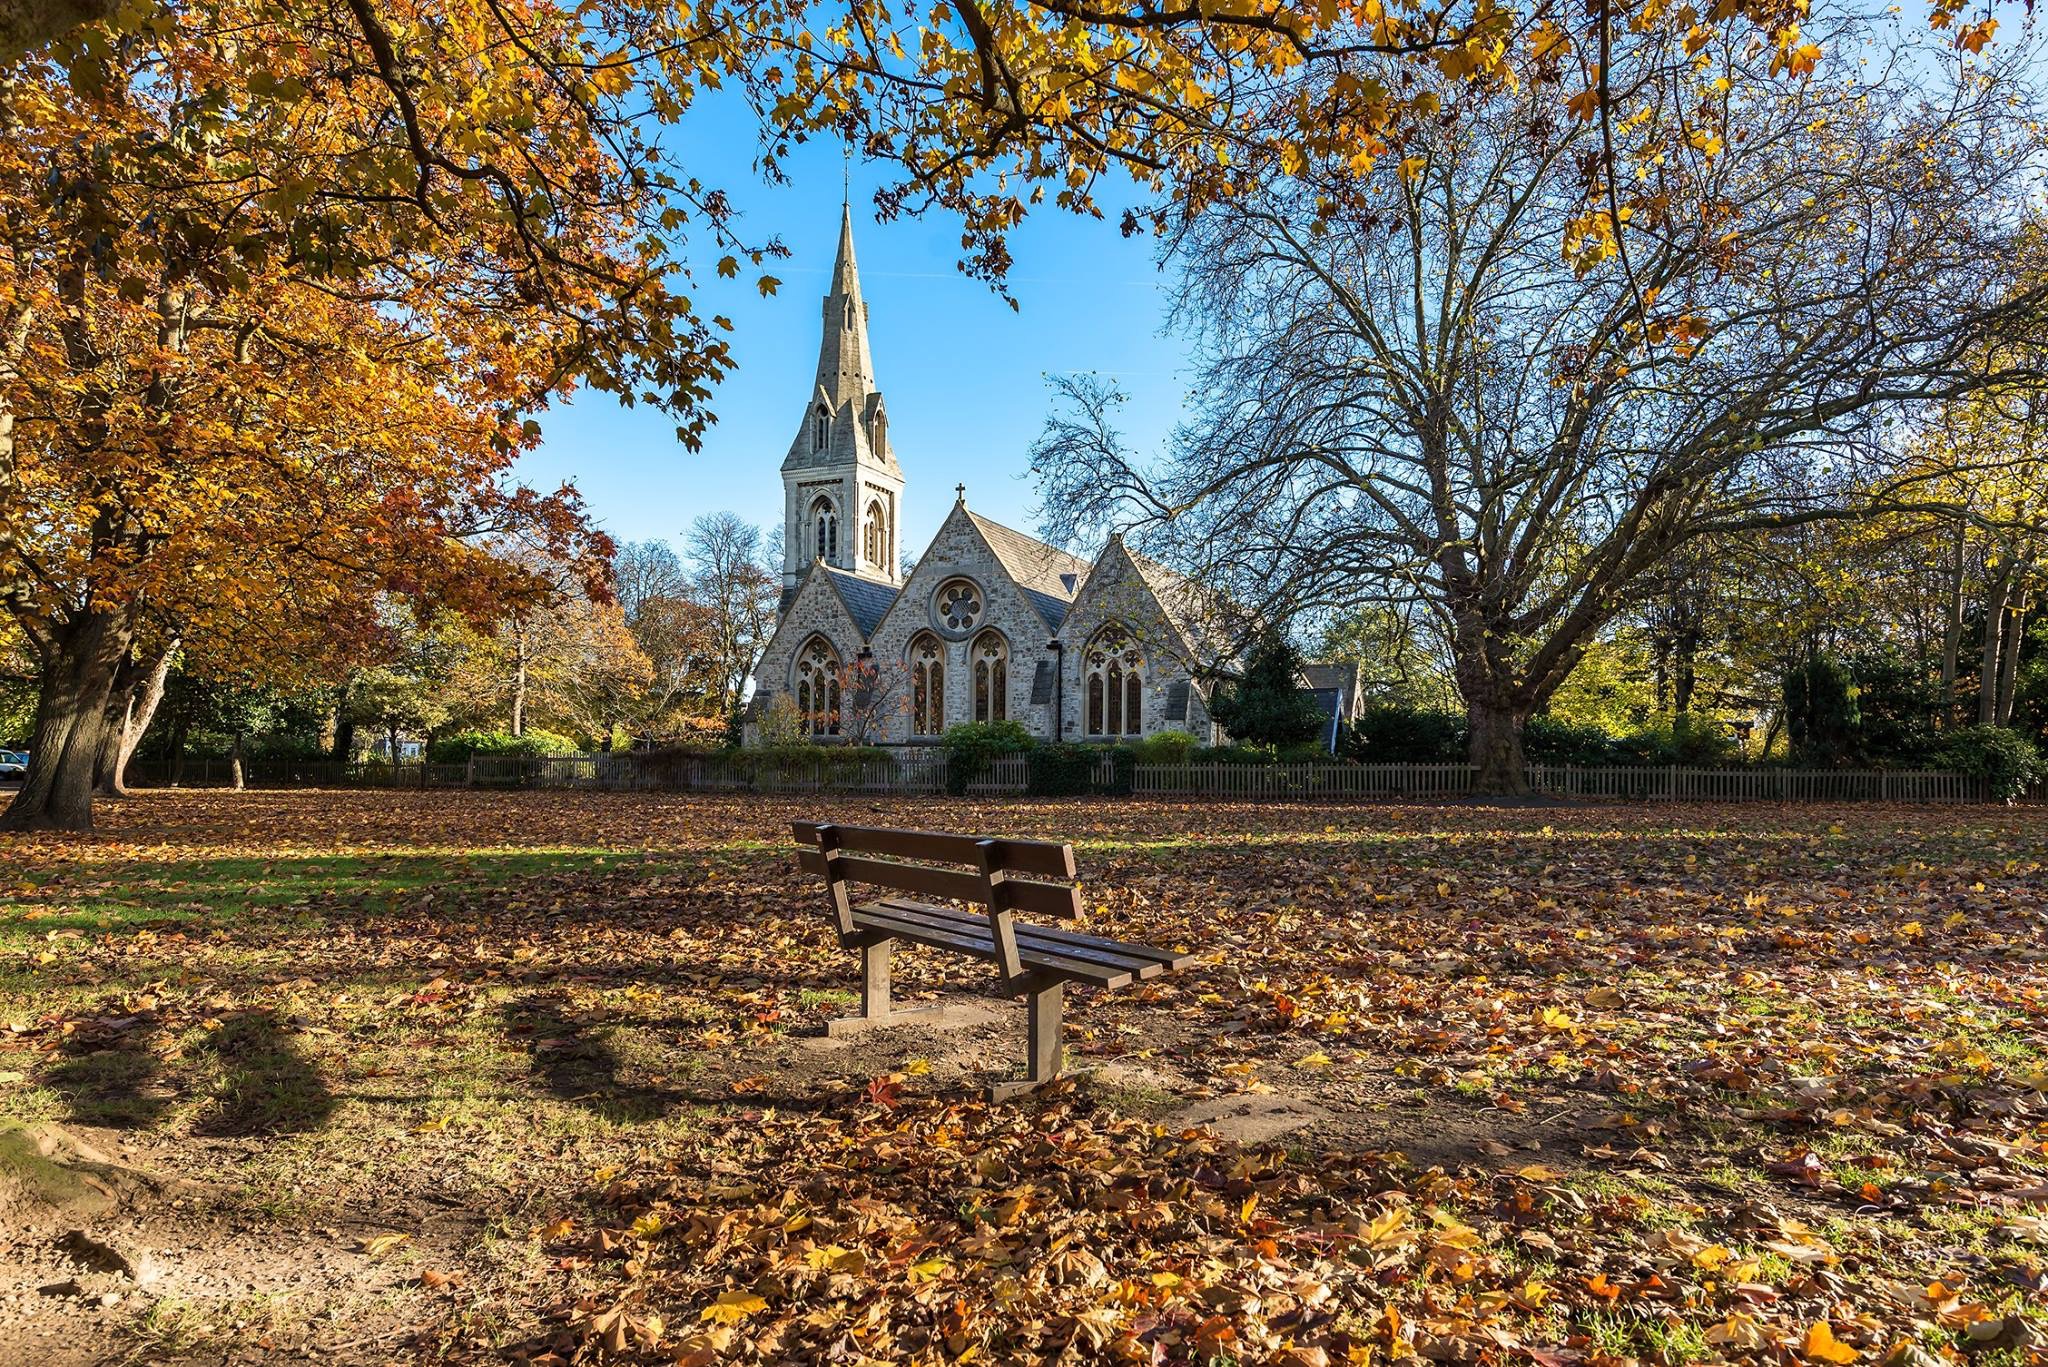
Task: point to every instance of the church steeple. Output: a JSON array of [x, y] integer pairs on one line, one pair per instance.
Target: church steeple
[[841, 483], [846, 370]]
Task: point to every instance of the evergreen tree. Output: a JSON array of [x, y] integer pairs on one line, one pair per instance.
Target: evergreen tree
[[1268, 706]]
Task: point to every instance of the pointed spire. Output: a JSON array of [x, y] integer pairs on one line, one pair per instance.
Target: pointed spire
[[845, 372]]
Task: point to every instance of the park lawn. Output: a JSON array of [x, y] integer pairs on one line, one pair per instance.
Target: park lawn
[[475, 1076]]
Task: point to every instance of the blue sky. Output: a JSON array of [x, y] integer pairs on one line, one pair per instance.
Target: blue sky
[[964, 375]]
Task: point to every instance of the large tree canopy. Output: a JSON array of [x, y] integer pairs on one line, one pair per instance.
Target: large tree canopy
[[1416, 396]]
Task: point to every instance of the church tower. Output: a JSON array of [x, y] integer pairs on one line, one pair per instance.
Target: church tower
[[842, 491]]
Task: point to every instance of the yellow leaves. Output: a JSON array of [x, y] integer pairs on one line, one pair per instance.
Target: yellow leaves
[[1976, 37], [1411, 167], [648, 1225], [1314, 1060], [733, 1307], [1605, 998], [1546, 40], [832, 1258], [378, 1245], [767, 284], [1707, 142], [930, 1269], [1585, 105], [1555, 1018], [1389, 1228], [1821, 1345]]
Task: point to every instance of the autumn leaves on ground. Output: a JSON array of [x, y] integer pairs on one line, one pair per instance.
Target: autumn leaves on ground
[[377, 1077]]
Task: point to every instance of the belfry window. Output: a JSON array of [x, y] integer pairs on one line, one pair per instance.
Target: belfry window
[[821, 429], [825, 529], [875, 535]]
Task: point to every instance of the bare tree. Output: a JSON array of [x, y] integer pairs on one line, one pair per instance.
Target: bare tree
[[731, 579], [647, 572], [1456, 387]]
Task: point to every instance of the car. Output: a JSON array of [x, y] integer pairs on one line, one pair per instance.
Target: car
[[13, 765]]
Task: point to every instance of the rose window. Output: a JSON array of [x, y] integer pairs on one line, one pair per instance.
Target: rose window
[[958, 605]]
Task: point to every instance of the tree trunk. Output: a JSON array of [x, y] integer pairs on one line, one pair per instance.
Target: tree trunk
[[1994, 647], [1684, 675], [518, 682], [79, 661], [181, 730], [1952, 638], [235, 762], [1494, 738], [134, 704], [391, 753], [120, 707], [2009, 668]]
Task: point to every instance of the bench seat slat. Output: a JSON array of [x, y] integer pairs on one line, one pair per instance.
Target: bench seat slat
[[946, 919], [876, 917], [1064, 941], [1045, 858]]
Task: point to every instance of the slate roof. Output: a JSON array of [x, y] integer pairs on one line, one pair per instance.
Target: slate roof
[[865, 600], [1330, 703], [1192, 610], [1047, 575]]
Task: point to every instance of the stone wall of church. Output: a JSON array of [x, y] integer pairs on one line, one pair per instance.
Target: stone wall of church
[[958, 551], [816, 611], [1116, 594]]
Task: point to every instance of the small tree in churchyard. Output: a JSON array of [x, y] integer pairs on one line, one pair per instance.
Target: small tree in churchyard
[[1267, 706]]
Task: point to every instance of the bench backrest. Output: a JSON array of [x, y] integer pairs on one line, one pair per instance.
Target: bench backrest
[[1004, 875]]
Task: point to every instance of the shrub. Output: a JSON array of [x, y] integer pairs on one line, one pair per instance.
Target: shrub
[[2005, 759], [1233, 754], [1547, 740], [1821, 711], [1070, 770], [1165, 747], [1404, 735], [1267, 706], [459, 747], [972, 746]]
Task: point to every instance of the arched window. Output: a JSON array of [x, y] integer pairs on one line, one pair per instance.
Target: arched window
[[817, 686], [875, 535], [825, 528], [927, 686], [1116, 687], [991, 660], [821, 429]]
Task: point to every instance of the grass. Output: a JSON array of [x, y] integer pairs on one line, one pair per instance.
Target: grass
[[344, 1010]]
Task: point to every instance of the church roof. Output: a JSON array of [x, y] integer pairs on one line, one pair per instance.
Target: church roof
[[1193, 611], [1048, 576], [865, 600]]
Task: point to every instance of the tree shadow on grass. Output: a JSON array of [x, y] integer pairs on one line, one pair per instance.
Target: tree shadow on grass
[[263, 1084], [111, 1074], [571, 1056]]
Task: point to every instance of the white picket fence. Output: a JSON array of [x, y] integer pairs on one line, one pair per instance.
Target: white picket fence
[[924, 772]]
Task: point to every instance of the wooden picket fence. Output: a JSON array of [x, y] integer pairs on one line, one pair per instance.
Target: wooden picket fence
[[923, 772], [217, 772]]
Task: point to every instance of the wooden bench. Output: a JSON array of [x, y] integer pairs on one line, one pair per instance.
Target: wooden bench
[[1005, 878]]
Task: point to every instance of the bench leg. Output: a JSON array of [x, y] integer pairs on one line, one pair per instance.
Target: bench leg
[[874, 997], [1046, 1008]]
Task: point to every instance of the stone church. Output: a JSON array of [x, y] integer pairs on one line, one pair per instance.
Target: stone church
[[990, 624]]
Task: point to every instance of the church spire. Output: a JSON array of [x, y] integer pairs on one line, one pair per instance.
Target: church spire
[[842, 486], [845, 368]]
